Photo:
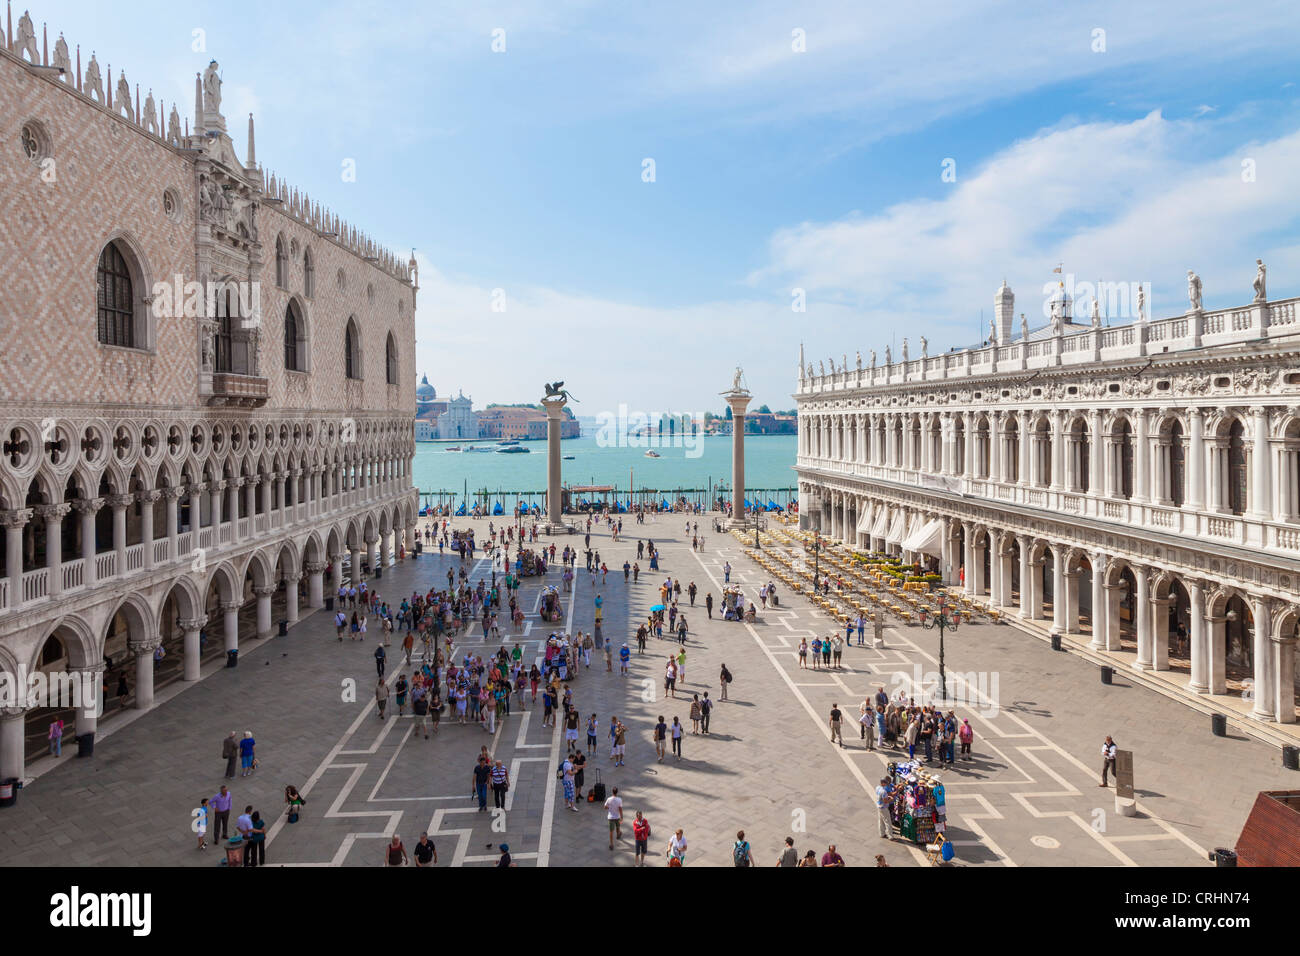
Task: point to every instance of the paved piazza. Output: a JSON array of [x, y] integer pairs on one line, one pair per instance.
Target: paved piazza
[[1029, 797]]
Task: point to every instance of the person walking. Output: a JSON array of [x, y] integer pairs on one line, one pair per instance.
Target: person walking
[[381, 697], [677, 848], [741, 854], [567, 774], [708, 604], [620, 743], [836, 717], [660, 733], [230, 753], [246, 750], [789, 856], [395, 853], [676, 732], [481, 778], [56, 737], [867, 723], [426, 854], [966, 734], [614, 811], [726, 572], [641, 835], [201, 819], [500, 784], [724, 681], [220, 803], [381, 659], [695, 714], [1108, 755], [593, 728]]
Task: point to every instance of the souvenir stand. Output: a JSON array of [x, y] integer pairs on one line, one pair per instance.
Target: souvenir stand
[[919, 809], [550, 607]]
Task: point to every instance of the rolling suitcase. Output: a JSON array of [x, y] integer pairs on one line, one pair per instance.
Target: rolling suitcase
[[598, 789]]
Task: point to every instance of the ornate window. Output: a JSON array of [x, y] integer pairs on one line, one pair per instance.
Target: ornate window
[[115, 299], [308, 273], [293, 353], [352, 350], [391, 363], [281, 263], [35, 141]]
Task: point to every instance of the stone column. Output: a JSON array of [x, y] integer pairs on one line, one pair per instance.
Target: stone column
[[143, 651], [1142, 616], [1058, 450], [968, 557], [945, 558], [192, 659], [12, 757], [250, 502], [554, 424], [1266, 686], [372, 557], [356, 569], [87, 508], [315, 584], [738, 400], [1072, 623], [1200, 650], [92, 683], [173, 496], [1284, 679], [1261, 470], [147, 499], [1099, 607], [15, 521], [1216, 662], [216, 494], [1141, 458], [1195, 500], [196, 490], [1096, 453], [232, 503], [1026, 586], [264, 627], [1159, 623], [1059, 597], [291, 597], [338, 573], [53, 515], [230, 623], [119, 504]]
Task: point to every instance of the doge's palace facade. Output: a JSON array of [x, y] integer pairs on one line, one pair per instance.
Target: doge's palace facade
[[206, 387], [1138, 484]]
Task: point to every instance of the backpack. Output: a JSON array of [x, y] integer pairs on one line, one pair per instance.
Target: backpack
[[726, 676], [740, 853]]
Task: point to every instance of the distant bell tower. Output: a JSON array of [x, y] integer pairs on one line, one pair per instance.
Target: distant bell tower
[[1004, 309]]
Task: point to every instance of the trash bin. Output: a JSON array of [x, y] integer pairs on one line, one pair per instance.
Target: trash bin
[[232, 658], [1106, 674], [329, 604], [8, 792], [1291, 757], [379, 572], [1224, 857], [1219, 725], [1056, 641], [284, 628], [86, 744]]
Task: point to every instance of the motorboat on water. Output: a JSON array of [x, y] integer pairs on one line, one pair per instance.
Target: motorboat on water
[[567, 457], [653, 454], [514, 449]]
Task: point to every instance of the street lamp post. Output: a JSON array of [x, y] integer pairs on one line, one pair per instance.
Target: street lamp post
[[944, 623]]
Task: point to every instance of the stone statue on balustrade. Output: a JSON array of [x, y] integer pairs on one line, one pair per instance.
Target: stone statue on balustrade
[[1142, 303], [1261, 293], [1024, 328], [925, 346], [1193, 291], [905, 350], [1096, 313], [889, 360], [859, 361]]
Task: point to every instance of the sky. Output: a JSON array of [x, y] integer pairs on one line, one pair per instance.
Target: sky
[[638, 198]]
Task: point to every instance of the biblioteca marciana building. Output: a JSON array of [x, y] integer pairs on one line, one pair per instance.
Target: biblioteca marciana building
[[1138, 485], [206, 388]]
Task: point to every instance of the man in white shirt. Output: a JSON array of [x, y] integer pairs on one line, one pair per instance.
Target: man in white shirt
[[884, 793], [1108, 752], [614, 810]]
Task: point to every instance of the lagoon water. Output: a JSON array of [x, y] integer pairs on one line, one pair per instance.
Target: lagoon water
[[769, 463]]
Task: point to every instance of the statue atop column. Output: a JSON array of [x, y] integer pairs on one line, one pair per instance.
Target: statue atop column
[[1194, 291], [873, 359], [925, 347], [904, 349], [889, 360], [212, 88], [1261, 294], [737, 380], [1096, 313], [557, 391], [859, 361]]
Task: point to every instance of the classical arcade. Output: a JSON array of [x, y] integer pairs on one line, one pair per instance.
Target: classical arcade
[[1139, 484]]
